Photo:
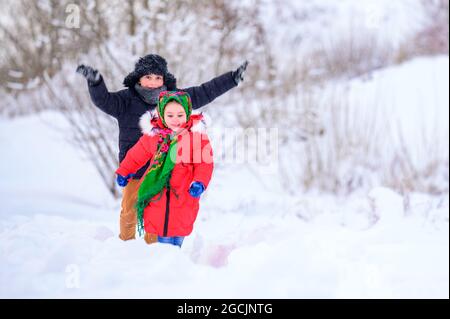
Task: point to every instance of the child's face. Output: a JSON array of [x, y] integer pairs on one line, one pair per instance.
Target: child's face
[[174, 116], [151, 81]]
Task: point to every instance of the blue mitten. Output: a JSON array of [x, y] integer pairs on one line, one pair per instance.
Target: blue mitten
[[196, 189], [123, 181]]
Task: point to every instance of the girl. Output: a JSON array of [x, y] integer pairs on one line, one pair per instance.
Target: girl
[[180, 169], [143, 86]]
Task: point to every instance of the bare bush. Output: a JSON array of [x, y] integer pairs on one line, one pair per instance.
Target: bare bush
[[200, 40], [39, 41], [350, 145], [433, 38], [90, 130], [422, 169], [330, 146]]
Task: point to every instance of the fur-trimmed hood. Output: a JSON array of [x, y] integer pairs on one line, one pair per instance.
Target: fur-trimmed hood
[[149, 123]]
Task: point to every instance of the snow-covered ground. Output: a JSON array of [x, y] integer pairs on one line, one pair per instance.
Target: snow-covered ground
[[59, 224], [59, 227]]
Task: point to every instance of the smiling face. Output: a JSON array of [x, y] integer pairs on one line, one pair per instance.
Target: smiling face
[[151, 81], [174, 116]]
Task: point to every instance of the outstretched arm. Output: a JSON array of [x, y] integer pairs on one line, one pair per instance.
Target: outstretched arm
[[110, 103], [208, 91]]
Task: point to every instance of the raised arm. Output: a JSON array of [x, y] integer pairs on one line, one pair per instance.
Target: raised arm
[[110, 103], [208, 91]]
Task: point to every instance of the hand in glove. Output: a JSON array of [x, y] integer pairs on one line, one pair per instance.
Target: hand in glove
[[238, 75], [196, 189], [122, 181], [92, 75]]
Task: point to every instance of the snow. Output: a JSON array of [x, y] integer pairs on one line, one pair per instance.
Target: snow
[[409, 105], [15, 74], [387, 127], [253, 239], [15, 86], [319, 23], [407, 88], [59, 228]]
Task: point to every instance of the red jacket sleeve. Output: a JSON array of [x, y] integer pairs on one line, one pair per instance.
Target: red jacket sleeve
[[202, 159], [137, 156]]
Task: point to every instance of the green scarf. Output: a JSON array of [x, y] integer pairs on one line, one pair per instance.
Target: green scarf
[[158, 176]]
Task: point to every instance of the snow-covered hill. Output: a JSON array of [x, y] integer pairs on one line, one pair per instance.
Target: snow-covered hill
[[59, 227]]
